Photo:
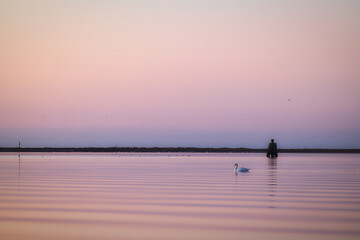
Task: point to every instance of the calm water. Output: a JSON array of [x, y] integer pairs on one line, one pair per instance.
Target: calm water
[[184, 196]]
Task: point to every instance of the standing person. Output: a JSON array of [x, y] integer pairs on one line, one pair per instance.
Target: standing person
[[272, 149]]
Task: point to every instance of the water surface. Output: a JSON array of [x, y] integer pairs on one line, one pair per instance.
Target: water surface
[[179, 196]]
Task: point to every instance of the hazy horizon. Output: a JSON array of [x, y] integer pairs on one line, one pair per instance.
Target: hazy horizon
[[71, 138], [180, 73]]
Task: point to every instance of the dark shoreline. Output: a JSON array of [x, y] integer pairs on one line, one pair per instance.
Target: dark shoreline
[[175, 149]]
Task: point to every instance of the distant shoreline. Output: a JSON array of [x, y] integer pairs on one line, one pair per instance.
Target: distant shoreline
[[175, 149]]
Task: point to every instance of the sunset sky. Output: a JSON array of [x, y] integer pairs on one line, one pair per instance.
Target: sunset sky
[[180, 73]]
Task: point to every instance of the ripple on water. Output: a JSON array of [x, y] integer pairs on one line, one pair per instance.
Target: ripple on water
[[107, 196]]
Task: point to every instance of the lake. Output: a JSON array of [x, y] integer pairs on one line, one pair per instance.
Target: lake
[[179, 196]]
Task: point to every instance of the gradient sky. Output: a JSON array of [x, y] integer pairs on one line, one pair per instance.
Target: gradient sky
[[180, 73]]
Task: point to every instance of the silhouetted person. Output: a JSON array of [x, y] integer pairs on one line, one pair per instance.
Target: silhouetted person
[[272, 149]]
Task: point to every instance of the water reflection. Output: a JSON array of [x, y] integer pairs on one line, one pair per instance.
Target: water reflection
[[97, 196], [272, 181], [19, 172]]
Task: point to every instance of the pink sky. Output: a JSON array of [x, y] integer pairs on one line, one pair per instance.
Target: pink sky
[[189, 73]]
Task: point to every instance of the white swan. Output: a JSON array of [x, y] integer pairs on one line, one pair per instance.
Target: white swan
[[242, 169]]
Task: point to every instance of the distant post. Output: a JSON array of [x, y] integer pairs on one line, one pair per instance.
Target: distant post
[[19, 149]]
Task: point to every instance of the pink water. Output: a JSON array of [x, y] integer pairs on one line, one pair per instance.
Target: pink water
[[179, 196]]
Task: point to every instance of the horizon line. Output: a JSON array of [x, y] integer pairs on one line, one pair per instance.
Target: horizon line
[[176, 149]]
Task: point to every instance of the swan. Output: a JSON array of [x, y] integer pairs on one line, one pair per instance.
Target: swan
[[242, 169]]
